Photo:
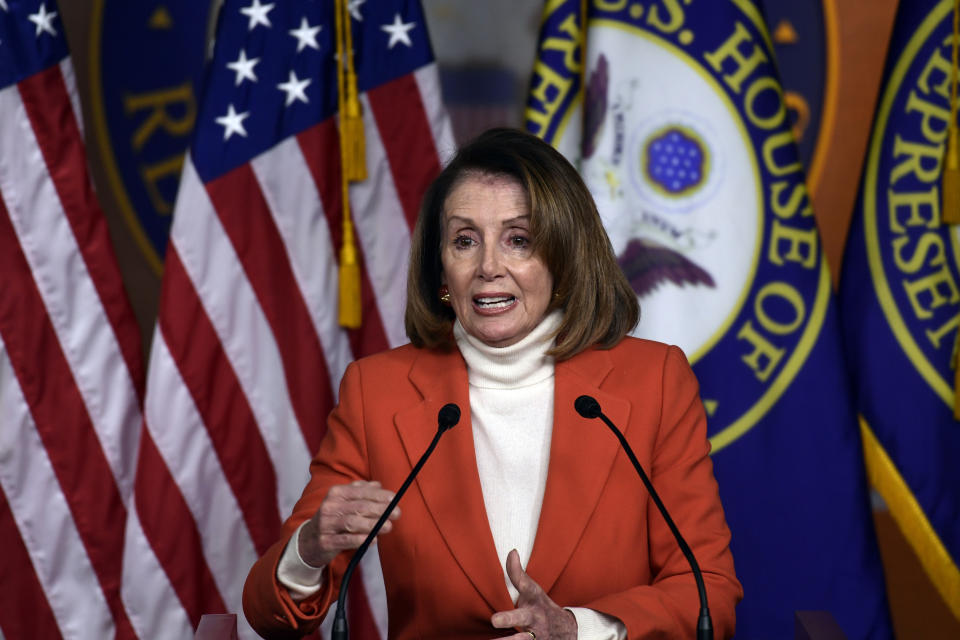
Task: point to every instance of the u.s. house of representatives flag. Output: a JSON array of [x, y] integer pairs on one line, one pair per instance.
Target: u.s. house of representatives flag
[[675, 116], [900, 299], [248, 353], [71, 376]]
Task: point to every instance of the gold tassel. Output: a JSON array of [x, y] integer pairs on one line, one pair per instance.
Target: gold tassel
[[950, 210], [349, 280], [951, 180], [351, 115], [352, 167], [351, 123]]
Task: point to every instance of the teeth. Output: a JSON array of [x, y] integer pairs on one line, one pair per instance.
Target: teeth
[[498, 302]]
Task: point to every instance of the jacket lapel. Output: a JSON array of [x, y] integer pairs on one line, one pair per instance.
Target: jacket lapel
[[449, 481], [582, 453]]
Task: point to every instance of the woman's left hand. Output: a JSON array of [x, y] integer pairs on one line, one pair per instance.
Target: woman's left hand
[[536, 615]]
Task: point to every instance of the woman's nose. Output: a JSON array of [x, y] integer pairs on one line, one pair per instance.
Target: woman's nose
[[491, 263]]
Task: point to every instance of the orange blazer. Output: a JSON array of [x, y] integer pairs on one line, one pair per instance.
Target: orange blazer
[[600, 542]]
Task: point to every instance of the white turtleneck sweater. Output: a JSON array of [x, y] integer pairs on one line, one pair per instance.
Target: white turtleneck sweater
[[511, 408]]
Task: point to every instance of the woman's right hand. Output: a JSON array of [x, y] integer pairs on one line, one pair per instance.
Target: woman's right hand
[[344, 519]]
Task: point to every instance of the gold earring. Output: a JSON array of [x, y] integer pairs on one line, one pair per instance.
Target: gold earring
[[444, 294]]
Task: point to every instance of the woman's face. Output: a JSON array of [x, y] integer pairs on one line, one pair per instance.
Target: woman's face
[[499, 288]]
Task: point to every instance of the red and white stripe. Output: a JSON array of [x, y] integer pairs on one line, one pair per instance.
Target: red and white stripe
[[248, 353], [71, 377]]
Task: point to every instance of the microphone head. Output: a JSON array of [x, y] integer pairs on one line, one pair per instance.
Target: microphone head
[[448, 416], [587, 407]]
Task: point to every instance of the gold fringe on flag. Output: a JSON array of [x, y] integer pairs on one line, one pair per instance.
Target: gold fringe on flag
[[950, 206], [353, 165], [950, 213], [911, 519]]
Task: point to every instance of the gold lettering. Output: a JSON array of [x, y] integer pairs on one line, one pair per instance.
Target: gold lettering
[[674, 15], [762, 349], [931, 284], [787, 209], [158, 103], [929, 240], [782, 140], [948, 327], [731, 50], [548, 79], [569, 45], [916, 152], [937, 63], [785, 292], [915, 202], [154, 173], [795, 239], [609, 5], [931, 112]]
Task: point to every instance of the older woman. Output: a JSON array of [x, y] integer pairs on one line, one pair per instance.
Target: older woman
[[528, 521]]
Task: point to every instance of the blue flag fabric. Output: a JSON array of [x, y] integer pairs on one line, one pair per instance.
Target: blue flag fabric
[[248, 351], [675, 116], [146, 69], [900, 298]]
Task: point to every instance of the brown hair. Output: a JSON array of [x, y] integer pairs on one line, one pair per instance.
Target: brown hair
[[599, 307]]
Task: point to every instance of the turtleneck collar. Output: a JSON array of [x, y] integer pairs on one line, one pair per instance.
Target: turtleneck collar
[[518, 365]]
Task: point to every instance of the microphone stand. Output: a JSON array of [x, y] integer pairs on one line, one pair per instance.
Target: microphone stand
[[588, 407], [447, 417]]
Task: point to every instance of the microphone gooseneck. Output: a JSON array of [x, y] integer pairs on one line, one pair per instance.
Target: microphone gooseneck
[[447, 417], [589, 408]]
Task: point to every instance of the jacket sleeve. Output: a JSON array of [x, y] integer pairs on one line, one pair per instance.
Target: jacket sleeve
[[682, 474], [342, 459]]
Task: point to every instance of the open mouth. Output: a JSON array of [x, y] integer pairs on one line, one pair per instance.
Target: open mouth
[[494, 302]]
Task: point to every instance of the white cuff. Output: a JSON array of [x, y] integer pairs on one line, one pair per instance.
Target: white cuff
[[593, 625], [300, 579]]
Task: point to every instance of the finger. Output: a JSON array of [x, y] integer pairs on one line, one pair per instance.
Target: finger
[[361, 490], [518, 618], [526, 585], [367, 508], [342, 540], [349, 523], [334, 511]]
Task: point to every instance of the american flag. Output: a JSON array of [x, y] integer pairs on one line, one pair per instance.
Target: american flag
[[71, 376], [248, 354]]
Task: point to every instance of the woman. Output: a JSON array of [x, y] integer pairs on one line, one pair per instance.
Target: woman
[[527, 521]]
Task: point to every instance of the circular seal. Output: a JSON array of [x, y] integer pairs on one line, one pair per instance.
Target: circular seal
[[699, 184], [913, 258]]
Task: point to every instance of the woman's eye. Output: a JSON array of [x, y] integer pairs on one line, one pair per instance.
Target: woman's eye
[[462, 242], [519, 242]]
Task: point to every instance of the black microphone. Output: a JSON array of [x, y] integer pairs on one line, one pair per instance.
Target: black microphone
[[589, 408], [447, 417]]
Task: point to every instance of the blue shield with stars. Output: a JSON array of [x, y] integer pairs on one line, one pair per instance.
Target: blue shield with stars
[[675, 115]]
